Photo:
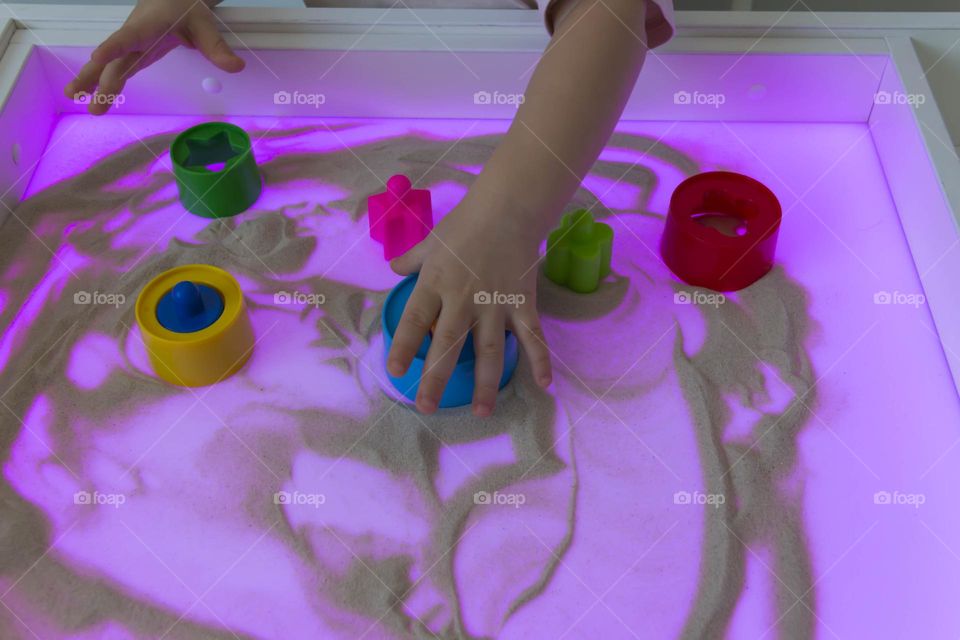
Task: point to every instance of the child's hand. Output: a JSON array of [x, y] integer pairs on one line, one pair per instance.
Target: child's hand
[[490, 242], [152, 30], [476, 248]]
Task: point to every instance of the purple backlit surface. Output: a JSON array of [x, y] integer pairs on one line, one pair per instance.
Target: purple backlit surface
[[779, 463]]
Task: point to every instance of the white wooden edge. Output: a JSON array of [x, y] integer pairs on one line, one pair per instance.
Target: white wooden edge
[[932, 236], [721, 23]]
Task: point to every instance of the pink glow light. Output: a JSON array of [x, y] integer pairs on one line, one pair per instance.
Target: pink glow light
[[94, 358], [200, 471]]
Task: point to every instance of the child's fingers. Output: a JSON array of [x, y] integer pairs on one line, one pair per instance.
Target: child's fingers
[[85, 81], [526, 324], [417, 318], [445, 346], [111, 83], [488, 339], [412, 260], [208, 41], [126, 40]]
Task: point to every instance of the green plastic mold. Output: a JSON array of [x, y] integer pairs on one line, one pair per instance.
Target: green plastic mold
[[578, 252], [215, 170]]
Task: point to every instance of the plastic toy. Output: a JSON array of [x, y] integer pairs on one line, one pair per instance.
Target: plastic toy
[[459, 389], [578, 252], [189, 307], [215, 170], [703, 256], [194, 325], [400, 217]]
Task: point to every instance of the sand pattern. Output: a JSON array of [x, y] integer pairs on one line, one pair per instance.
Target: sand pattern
[[400, 546]]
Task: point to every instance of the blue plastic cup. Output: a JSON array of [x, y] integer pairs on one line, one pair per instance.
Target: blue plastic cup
[[459, 389]]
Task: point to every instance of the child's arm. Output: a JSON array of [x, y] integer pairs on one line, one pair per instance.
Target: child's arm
[[153, 28], [490, 242], [573, 102]]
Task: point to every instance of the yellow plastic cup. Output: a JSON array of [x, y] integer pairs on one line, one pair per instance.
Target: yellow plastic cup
[[202, 357]]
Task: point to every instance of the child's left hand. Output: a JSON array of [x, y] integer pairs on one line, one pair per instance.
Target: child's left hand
[[477, 248]]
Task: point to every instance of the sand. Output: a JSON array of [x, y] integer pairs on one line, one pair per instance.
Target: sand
[[651, 400]]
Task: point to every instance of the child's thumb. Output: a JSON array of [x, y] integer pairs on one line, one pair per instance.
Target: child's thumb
[[411, 261]]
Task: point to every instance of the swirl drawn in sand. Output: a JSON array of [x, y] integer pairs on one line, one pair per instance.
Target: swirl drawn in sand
[[400, 547]]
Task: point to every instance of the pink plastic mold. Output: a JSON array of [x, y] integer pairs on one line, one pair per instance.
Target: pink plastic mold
[[400, 217]]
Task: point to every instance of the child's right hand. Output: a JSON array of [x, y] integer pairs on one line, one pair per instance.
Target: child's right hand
[[152, 30]]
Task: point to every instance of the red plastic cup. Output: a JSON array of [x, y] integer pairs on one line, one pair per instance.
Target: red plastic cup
[[703, 256]]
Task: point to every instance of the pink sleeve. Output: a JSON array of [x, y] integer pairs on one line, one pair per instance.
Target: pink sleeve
[[660, 19]]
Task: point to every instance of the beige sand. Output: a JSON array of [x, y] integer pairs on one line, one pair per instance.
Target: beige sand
[[594, 496]]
